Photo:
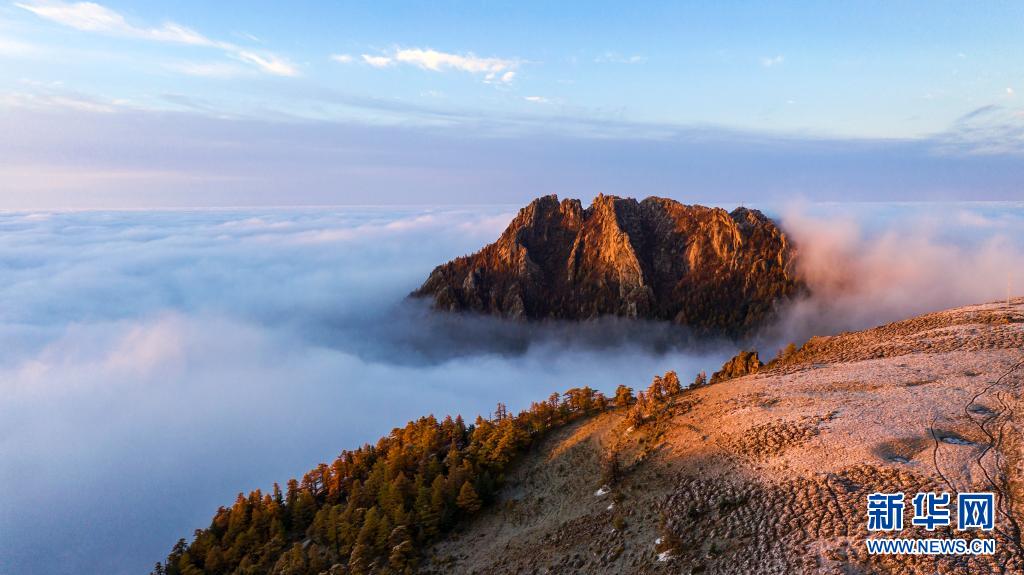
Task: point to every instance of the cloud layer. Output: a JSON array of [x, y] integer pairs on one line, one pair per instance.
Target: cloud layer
[[153, 364], [97, 154], [871, 264], [156, 363]]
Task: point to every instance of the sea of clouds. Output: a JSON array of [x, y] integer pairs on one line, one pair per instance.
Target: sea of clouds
[[155, 363]]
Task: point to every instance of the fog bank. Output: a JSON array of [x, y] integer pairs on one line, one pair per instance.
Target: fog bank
[[154, 364], [870, 264]]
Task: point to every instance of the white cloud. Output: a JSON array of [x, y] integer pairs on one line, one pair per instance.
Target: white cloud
[[870, 265], [208, 69], [377, 61], [536, 99], [616, 58], [55, 99], [342, 58], [437, 61], [268, 62], [769, 62], [92, 17], [1010, 92], [16, 48], [494, 70]]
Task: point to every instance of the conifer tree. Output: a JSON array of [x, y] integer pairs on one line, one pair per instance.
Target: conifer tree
[[468, 500], [623, 396], [671, 382], [359, 563], [427, 514]]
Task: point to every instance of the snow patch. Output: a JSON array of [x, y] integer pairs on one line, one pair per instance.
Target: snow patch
[[603, 491], [954, 440]]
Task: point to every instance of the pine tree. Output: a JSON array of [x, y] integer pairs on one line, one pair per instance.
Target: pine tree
[[368, 533], [380, 540], [672, 385], [401, 557], [500, 412], [623, 396], [468, 500], [361, 559], [700, 380], [427, 514], [214, 563]]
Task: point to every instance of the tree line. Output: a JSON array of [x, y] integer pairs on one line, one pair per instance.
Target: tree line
[[375, 509]]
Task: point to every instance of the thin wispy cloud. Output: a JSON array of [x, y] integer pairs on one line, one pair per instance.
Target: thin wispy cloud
[[54, 97], [197, 154], [270, 63], [493, 70], [92, 17], [342, 58], [377, 61], [208, 69], [772, 61], [10, 47], [988, 130], [617, 58]]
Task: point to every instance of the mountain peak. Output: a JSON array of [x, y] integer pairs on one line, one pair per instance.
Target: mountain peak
[[700, 267]]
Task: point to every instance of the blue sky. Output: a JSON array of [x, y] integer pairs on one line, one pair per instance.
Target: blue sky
[[924, 73]]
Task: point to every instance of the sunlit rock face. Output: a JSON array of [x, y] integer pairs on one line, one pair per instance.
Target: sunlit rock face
[[705, 268]]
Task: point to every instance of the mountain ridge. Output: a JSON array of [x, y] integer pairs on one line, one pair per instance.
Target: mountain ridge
[[769, 472]]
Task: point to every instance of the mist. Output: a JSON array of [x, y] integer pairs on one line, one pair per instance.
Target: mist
[[869, 264], [156, 363]]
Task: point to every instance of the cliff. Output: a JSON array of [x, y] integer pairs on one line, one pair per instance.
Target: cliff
[[704, 268]]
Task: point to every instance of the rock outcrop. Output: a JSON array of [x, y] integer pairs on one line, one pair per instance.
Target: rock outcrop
[[743, 363], [704, 268]]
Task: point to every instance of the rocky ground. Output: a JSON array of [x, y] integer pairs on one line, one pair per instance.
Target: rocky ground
[[769, 473]]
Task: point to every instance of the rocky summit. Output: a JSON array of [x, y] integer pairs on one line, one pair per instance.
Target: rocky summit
[[704, 268]]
